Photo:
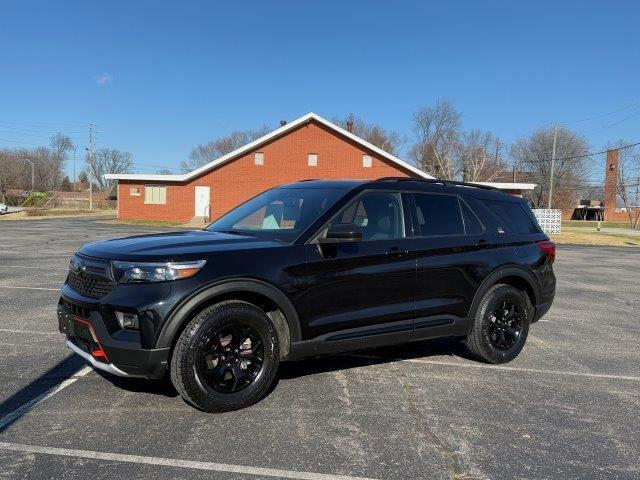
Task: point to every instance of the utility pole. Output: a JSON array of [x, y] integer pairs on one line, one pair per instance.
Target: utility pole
[[553, 164], [90, 150]]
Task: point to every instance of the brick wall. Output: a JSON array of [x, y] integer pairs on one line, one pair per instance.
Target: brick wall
[[285, 161]]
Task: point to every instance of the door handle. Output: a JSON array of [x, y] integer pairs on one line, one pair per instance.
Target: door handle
[[482, 242], [395, 252]]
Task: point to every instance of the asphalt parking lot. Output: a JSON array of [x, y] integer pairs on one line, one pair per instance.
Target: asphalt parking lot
[[566, 408]]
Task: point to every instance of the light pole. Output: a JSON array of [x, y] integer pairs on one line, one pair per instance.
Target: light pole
[[89, 149], [74, 172], [553, 164], [33, 173]]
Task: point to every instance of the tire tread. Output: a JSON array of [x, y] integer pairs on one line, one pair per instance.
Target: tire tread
[[185, 382], [475, 341]]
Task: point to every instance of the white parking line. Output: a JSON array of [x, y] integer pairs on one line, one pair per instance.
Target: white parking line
[[173, 462], [523, 369], [22, 409], [28, 332], [30, 288], [35, 268]]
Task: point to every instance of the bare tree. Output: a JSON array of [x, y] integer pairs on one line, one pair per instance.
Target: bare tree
[[387, 140], [164, 171], [10, 171], [480, 159], [108, 160], [46, 169], [48, 164], [61, 145], [628, 185], [437, 147], [532, 155], [210, 151]]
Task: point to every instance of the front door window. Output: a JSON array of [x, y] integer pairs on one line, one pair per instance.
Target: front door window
[[378, 214]]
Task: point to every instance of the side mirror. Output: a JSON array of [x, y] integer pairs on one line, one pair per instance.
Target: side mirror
[[342, 232]]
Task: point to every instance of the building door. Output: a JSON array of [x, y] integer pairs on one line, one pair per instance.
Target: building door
[[203, 205]]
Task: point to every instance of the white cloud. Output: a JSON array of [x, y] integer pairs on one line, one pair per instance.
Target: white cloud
[[104, 79]]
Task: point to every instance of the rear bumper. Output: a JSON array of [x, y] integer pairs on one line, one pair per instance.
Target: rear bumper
[[543, 307]]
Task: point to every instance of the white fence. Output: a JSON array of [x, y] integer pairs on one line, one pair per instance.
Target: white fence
[[549, 219]]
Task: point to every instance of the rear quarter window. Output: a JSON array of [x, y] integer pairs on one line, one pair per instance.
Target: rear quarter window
[[517, 216]]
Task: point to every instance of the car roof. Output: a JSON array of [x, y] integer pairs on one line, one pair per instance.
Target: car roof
[[320, 183], [412, 184]]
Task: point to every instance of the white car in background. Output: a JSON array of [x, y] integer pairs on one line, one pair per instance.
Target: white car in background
[[3, 209]]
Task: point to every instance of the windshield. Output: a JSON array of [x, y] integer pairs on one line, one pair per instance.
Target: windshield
[[280, 214]]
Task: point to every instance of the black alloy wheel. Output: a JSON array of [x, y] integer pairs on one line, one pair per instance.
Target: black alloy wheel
[[505, 325], [500, 324], [231, 358], [226, 357]]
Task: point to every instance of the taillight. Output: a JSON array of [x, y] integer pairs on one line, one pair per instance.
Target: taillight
[[548, 247]]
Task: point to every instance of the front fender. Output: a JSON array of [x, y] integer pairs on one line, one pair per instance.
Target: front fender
[[191, 304]]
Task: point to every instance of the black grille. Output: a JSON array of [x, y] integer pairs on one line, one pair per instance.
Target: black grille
[[93, 279], [89, 286], [76, 310]]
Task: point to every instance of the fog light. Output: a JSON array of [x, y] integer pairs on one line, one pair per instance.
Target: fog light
[[128, 321]]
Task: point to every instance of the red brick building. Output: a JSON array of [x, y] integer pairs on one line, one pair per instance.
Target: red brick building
[[309, 147], [610, 210]]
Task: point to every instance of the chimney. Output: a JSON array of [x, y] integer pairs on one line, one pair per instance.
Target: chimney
[[283, 123], [610, 182], [350, 126]]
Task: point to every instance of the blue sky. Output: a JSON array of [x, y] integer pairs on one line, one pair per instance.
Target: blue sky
[[160, 77]]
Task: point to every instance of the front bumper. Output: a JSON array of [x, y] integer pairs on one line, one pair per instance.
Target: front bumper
[[105, 367], [119, 353]]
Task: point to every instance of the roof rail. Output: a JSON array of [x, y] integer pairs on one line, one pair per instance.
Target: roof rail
[[435, 180], [308, 180]]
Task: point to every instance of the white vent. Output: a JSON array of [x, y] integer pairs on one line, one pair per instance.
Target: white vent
[[312, 160], [367, 161], [550, 220], [259, 158]]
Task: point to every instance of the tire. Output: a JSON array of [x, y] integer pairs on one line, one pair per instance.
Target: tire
[[494, 338], [202, 365]]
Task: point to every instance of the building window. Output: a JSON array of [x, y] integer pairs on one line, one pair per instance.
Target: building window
[[312, 159], [367, 161], [134, 191], [258, 158], [155, 194]]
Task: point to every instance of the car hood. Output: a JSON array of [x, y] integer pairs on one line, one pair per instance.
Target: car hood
[[172, 246]]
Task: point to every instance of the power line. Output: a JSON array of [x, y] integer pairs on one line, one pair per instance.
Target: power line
[[598, 153], [31, 130], [602, 129], [41, 126], [22, 143], [599, 116], [36, 136]]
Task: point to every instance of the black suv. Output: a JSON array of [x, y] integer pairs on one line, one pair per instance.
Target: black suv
[[305, 269]]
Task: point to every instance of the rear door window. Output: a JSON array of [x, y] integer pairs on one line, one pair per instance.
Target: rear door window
[[515, 216], [438, 214]]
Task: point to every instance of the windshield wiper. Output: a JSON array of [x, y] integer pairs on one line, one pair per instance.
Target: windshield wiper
[[235, 232]]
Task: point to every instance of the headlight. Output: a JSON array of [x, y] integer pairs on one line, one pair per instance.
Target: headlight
[[133, 272]]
